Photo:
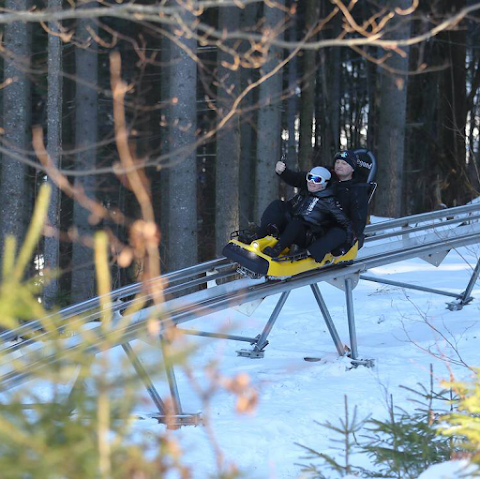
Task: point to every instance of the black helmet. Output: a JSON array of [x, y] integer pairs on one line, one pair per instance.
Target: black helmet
[[348, 156]]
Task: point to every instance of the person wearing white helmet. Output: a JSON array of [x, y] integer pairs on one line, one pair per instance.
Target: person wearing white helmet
[[308, 215], [350, 194]]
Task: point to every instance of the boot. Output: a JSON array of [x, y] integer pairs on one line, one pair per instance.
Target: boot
[[295, 249], [273, 230], [273, 251], [248, 236]]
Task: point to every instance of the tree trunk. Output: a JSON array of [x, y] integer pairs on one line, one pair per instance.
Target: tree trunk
[[15, 197], [422, 169], [307, 99], [453, 114], [86, 109], [391, 125], [182, 182], [291, 110], [54, 148], [162, 195], [329, 83], [228, 138], [328, 123], [269, 119], [474, 110], [247, 130], [476, 170], [372, 100]]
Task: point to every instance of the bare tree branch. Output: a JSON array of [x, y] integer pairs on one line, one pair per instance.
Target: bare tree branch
[[166, 15]]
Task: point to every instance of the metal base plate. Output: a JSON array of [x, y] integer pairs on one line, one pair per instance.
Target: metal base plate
[[251, 353], [368, 363], [458, 304], [455, 306], [354, 363], [179, 420]]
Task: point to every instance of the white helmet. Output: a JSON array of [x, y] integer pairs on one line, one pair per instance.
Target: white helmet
[[319, 176]]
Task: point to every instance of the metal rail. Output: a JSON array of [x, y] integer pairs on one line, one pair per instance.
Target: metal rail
[[192, 306], [432, 215], [420, 227], [92, 305], [187, 306], [325, 274]]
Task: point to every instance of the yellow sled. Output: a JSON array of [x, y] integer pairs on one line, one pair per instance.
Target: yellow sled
[[253, 262]]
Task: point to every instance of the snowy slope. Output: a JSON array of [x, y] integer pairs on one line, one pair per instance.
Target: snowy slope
[[392, 329]]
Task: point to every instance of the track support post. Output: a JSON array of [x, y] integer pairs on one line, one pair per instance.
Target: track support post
[[178, 418], [261, 341], [328, 319], [143, 374], [369, 363], [351, 317]]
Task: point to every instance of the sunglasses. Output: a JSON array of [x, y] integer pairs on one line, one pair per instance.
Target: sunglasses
[[315, 179]]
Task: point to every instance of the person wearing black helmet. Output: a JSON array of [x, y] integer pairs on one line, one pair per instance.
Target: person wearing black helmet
[[345, 164], [308, 215], [351, 193], [333, 236], [352, 197]]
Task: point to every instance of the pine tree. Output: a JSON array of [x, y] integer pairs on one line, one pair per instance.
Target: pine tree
[[407, 443], [346, 444], [463, 424]]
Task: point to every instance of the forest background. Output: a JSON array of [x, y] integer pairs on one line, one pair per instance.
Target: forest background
[[175, 113]]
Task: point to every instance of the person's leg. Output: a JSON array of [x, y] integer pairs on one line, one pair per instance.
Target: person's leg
[[276, 213], [333, 238], [295, 232]]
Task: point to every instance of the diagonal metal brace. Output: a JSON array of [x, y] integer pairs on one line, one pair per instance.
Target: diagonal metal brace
[[328, 319], [143, 375], [258, 351]]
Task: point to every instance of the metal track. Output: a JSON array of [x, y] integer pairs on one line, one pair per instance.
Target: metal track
[[206, 302], [390, 228], [89, 310], [417, 236]]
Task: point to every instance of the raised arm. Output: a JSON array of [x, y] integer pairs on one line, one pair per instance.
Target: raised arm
[[292, 178]]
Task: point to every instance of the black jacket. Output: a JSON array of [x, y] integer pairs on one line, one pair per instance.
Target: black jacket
[[352, 196], [320, 210]]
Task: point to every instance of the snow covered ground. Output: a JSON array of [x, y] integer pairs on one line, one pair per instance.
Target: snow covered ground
[[395, 327], [402, 330]]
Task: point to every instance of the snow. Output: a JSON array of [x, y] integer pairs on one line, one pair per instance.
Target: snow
[[403, 330], [448, 470]]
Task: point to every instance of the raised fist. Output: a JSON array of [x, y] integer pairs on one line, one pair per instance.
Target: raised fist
[[280, 167]]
